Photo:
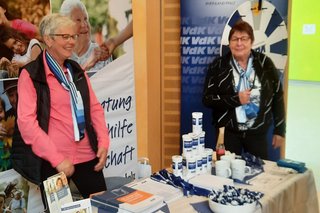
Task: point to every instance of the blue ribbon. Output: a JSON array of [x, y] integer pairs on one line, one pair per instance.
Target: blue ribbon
[[176, 181]]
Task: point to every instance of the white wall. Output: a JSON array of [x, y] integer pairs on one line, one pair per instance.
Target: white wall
[[303, 125]]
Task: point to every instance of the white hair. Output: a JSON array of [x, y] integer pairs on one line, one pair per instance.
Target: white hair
[[68, 5]]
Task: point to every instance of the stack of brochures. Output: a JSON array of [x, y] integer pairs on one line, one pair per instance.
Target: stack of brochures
[[79, 206], [57, 191], [168, 192], [127, 199]]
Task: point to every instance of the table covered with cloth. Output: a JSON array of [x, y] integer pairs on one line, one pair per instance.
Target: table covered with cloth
[[285, 191]]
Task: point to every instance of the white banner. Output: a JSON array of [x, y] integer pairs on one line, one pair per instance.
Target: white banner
[[114, 87]]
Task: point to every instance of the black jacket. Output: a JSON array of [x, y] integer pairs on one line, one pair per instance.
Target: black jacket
[[220, 95], [24, 161]]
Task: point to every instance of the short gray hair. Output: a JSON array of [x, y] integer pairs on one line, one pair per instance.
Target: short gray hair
[[68, 5], [50, 23]]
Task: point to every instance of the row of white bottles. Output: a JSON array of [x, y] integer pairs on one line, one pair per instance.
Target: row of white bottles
[[195, 158]]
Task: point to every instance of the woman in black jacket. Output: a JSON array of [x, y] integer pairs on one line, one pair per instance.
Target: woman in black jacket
[[244, 90]]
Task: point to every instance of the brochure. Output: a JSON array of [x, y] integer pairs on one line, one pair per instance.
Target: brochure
[[57, 191], [127, 199], [80, 206], [15, 190], [168, 192]]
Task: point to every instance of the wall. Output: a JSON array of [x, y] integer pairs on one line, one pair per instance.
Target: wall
[[156, 27], [304, 49], [303, 125], [146, 30], [304, 88]]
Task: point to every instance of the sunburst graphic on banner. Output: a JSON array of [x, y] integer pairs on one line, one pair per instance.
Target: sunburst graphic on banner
[[270, 31]]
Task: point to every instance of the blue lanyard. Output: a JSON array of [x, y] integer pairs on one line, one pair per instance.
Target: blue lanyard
[[188, 189]]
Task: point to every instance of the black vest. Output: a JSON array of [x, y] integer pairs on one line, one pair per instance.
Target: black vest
[[24, 161]]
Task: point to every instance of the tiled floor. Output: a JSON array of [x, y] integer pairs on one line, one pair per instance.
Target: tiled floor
[[303, 128]]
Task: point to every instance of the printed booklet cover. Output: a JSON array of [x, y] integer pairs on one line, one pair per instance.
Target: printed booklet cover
[[11, 182], [127, 199], [168, 192], [14, 190], [57, 191], [80, 206]]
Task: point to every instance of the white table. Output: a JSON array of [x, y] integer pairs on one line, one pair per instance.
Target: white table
[[284, 192]]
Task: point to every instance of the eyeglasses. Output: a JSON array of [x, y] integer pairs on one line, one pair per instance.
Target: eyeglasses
[[242, 39], [66, 37]]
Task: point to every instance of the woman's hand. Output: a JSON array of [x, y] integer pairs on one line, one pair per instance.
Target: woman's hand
[[102, 155], [108, 48], [4, 62], [67, 167], [277, 141], [96, 55], [244, 96]]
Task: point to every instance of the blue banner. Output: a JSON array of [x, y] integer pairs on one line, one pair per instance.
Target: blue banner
[[205, 26]]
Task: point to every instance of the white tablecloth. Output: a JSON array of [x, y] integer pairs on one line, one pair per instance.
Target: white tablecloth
[[284, 192]]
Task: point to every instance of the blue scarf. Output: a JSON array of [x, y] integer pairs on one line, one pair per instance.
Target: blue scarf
[[244, 83], [75, 96], [247, 111]]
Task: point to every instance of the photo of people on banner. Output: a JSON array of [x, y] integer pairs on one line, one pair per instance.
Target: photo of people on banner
[[19, 37], [19, 44], [99, 41]]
